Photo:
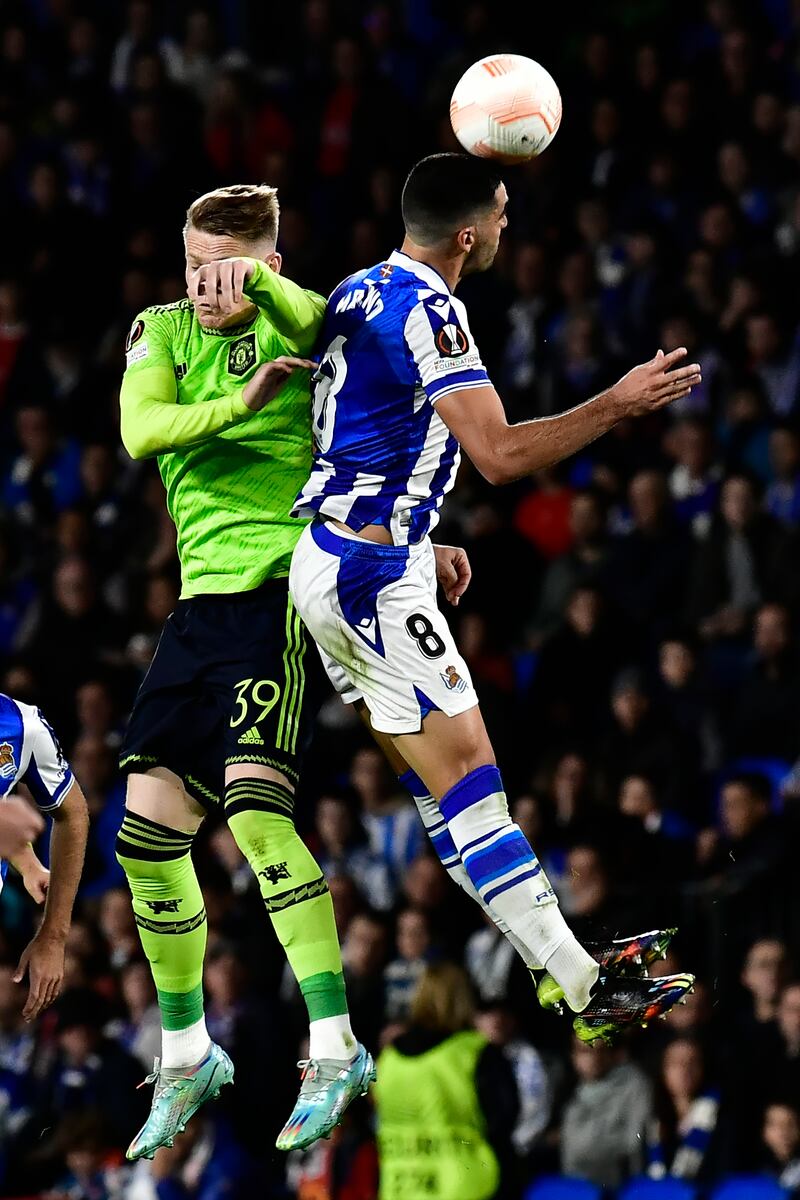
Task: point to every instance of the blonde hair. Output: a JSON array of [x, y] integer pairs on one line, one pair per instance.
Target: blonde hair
[[249, 211], [443, 1000]]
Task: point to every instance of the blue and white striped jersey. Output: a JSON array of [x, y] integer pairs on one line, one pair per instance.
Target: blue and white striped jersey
[[30, 754], [394, 341]]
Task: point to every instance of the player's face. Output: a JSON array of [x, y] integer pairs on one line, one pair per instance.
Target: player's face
[[487, 235], [203, 248]]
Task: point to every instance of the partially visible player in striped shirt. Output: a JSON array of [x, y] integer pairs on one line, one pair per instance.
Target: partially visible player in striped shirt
[[30, 755]]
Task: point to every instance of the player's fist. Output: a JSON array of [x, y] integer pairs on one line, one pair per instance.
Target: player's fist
[[19, 825], [654, 384], [453, 571], [270, 378], [218, 287], [37, 882]]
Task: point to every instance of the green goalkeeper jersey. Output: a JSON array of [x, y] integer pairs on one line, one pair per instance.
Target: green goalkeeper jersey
[[231, 475]]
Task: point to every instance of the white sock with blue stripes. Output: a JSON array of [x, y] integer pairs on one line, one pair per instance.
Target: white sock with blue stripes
[[443, 844], [509, 879]]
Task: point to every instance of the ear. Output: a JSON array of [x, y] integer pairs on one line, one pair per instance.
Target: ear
[[274, 262], [465, 239]]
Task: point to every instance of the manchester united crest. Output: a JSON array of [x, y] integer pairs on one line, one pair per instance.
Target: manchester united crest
[[242, 355]]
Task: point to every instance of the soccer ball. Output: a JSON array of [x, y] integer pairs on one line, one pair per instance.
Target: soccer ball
[[506, 107]]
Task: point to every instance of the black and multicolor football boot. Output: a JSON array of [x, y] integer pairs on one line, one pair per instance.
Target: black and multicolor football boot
[[620, 1003], [623, 957]]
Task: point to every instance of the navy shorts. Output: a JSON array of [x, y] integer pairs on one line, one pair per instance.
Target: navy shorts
[[235, 679]]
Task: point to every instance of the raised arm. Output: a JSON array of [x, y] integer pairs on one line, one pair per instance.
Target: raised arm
[[295, 313], [503, 452]]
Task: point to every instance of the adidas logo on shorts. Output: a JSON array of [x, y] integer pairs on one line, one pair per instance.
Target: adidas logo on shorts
[[251, 738]]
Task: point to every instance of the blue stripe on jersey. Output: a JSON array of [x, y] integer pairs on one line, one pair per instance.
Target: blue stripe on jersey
[[394, 340]]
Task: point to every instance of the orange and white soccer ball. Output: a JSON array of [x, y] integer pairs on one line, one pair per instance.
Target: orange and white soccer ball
[[506, 107]]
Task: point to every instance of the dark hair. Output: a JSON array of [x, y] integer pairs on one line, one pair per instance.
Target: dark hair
[[444, 192]]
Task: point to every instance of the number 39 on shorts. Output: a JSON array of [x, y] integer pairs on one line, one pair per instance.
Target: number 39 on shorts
[[262, 693]]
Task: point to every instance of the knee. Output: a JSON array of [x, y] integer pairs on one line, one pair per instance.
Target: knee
[[145, 848], [261, 801]]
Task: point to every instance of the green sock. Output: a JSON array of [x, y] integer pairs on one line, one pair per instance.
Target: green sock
[[171, 918], [296, 896]]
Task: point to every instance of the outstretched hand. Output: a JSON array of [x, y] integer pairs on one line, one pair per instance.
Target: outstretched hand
[[270, 378], [654, 384], [43, 960]]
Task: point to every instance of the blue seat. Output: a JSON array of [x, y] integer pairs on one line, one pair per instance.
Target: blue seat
[[749, 1187], [557, 1187], [657, 1189]]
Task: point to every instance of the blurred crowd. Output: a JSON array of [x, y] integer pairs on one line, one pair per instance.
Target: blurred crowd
[[632, 624]]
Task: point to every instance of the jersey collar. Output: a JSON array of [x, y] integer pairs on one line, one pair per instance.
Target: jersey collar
[[230, 330], [422, 271]]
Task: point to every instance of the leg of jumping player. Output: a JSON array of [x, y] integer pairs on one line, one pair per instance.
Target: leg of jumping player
[[270, 720], [259, 808], [455, 760], [154, 848], [438, 832]]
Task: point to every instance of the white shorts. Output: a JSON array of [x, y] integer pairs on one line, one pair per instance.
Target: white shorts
[[372, 611]]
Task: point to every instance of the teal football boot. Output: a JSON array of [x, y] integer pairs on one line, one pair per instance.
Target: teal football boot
[[326, 1089], [178, 1094]]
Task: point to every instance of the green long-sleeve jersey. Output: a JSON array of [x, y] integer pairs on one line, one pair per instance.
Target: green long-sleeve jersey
[[231, 475]]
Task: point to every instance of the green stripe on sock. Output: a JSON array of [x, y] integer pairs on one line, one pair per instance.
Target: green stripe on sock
[[324, 995], [179, 1010]]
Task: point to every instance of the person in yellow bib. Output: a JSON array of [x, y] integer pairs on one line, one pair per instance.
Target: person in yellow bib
[[446, 1101]]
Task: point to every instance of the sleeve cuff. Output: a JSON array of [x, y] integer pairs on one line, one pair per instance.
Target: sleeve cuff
[[239, 410]]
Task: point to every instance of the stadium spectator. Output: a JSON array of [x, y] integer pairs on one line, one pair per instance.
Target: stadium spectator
[[683, 1139], [603, 1123], [764, 973], [581, 565], [415, 949], [764, 719], [344, 850], [781, 1138]]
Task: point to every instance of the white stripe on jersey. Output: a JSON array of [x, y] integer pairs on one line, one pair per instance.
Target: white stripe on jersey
[[430, 459], [384, 455]]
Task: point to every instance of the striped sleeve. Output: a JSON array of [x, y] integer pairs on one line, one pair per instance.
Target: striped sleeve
[[440, 343], [46, 773]]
